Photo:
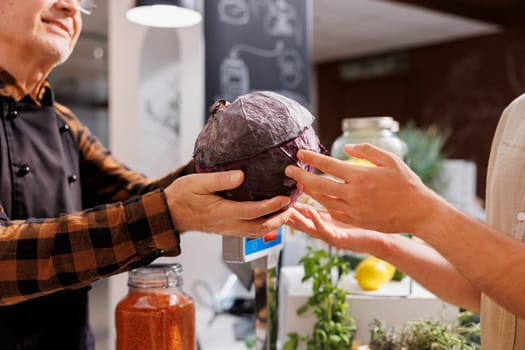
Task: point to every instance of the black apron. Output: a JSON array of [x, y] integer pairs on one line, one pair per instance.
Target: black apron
[[39, 178]]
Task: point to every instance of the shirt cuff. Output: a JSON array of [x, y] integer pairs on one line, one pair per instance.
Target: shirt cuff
[[150, 226]]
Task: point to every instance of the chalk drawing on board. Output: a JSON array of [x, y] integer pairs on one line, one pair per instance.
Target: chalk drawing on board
[[515, 57], [234, 74], [291, 68], [234, 12], [234, 77], [282, 20]]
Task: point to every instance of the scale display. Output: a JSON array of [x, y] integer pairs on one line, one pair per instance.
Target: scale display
[[240, 249]]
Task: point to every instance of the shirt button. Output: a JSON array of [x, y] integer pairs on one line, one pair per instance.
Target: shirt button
[[72, 178], [520, 216], [64, 128], [13, 113], [23, 170]]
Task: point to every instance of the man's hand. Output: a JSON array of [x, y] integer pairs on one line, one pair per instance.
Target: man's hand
[[388, 197], [318, 223], [195, 206]]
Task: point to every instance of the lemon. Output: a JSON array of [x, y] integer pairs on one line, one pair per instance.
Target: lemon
[[360, 162], [372, 273]]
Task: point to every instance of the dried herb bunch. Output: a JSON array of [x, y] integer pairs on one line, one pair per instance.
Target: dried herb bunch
[[334, 328], [425, 335]]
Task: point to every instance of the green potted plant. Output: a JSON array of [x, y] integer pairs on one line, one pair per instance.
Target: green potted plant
[[334, 328], [425, 153]]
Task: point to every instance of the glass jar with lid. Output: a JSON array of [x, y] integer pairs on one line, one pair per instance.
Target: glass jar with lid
[[378, 131], [156, 314]]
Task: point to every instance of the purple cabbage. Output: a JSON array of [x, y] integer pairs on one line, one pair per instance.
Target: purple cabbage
[[259, 133]]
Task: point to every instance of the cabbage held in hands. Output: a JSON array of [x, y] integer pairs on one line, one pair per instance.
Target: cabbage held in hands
[[260, 134]]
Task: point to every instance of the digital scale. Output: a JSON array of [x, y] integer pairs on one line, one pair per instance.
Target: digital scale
[[263, 255], [241, 249]]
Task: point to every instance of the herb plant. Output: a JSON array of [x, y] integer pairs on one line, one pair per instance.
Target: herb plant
[[425, 335], [425, 153], [334, 328]]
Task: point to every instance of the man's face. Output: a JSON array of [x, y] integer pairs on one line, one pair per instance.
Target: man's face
[[46, 28]]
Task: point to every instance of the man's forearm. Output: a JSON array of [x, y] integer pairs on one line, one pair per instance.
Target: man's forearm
[[489, 259], [430, 269], [41, 256]]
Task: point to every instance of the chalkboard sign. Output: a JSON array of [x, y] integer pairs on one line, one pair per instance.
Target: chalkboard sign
[[257, 45]]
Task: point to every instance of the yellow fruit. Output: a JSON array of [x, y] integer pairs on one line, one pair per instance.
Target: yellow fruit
[[360, 162], [372, 273]]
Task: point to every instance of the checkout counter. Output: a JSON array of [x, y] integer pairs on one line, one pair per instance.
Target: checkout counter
[[394, 303]]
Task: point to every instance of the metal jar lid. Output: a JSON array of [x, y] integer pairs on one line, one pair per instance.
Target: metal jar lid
[[383, 122], [156, 275]]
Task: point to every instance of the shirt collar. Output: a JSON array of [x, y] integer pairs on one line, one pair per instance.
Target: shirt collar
[[9, 87]]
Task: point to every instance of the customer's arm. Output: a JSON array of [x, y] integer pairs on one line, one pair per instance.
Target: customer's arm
[[391, 198], [412, 256], [489, 259]]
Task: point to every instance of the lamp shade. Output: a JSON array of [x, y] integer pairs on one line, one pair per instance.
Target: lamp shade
[[164, 13]]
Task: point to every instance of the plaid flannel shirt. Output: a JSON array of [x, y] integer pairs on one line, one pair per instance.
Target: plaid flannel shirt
[[39, 256]]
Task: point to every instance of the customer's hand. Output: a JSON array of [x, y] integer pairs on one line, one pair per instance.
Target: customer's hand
[[319, 223], [195, 206], [388, 197]]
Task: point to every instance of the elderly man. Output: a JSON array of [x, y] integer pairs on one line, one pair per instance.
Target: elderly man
[[52, 167]]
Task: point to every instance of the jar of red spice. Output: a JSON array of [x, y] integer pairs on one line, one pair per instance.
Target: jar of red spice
[[156, 314]]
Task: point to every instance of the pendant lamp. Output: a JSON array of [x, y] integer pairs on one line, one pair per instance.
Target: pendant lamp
[[164, 13]]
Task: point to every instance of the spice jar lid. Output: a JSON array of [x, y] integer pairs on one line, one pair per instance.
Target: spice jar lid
[[156, 276], [383, 122]]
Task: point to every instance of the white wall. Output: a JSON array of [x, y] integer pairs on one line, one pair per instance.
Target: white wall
[[139, 59], [126, 55]]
